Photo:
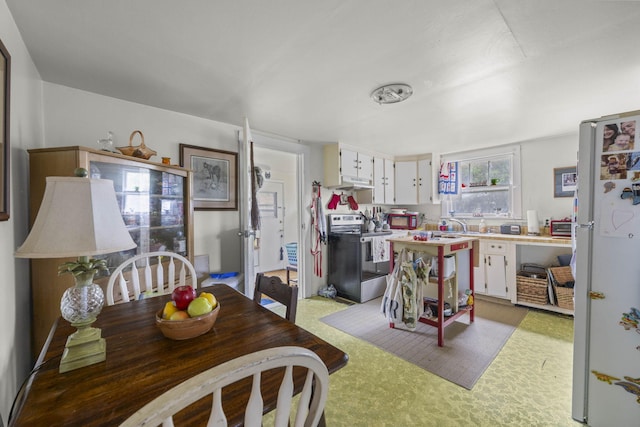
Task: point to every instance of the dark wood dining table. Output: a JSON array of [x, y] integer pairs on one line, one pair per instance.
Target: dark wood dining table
[[142, 364]]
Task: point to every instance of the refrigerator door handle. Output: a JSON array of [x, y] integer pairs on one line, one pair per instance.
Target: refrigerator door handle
[[588, 225]]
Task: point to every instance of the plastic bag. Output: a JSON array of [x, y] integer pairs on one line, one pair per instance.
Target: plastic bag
[[391, 306]]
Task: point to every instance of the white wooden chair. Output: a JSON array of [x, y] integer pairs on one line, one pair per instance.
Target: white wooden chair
[[308, 412], [177, 264]]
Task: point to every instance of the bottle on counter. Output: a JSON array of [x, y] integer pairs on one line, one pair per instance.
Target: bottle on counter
[[482, 228], [180, 244]]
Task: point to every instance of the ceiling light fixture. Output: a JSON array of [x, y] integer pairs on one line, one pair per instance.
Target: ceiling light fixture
[[390, 94]]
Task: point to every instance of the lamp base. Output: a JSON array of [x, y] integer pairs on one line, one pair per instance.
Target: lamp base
[[84, 347]]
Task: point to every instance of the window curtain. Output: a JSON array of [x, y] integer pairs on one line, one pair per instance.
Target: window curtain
[[448, 180]]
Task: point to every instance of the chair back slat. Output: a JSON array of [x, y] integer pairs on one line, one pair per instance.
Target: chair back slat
[[253, 411], [159, 277], [172, 275], [183, 276], [217, 418], [136, 280], [305, 401], [148, 280], [284, 399], [122, 284]]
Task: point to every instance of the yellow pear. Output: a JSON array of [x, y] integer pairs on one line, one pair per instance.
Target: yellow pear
[[168, 310], [210, 297]]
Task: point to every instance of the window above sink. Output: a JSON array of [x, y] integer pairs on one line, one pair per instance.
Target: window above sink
[[488, 184]]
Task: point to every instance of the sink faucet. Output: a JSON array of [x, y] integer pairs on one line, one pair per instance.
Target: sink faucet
[[462, 224]]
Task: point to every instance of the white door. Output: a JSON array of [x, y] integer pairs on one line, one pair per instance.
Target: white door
[[349, 163], [246, 233], [424, 181], [271, 254], [496, 278], [389, 182], [406, 189]]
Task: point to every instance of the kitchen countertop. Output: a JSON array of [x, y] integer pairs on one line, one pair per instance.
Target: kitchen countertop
[[436, 241], [442, 245], [515, 238]]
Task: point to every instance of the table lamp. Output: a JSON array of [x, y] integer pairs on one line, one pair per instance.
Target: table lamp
[[79, 217]]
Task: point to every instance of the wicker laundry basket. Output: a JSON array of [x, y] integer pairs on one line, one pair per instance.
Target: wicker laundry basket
[[563, 282], [532, 285]]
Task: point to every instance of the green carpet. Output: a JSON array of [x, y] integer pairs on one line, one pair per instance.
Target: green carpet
[[528, 383]]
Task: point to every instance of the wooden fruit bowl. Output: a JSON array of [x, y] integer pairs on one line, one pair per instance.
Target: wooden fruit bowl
[[187, 328]]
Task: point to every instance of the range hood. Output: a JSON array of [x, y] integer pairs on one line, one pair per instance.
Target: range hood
[[352, 183]]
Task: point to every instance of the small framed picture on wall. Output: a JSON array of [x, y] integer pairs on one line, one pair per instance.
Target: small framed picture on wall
[[564, 181]]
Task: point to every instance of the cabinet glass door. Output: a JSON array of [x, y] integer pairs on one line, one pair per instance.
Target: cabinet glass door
[[152, 206]]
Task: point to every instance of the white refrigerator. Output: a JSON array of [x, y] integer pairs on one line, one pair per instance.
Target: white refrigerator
[[606, 366]]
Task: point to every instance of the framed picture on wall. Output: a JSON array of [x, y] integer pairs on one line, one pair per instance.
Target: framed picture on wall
[[215, 177], [5, 86], [564, 181]]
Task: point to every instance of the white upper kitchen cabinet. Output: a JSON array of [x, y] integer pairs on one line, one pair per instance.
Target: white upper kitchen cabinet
[[424, 181], [356, 165], [345, 166], [383, 181], [413, 181]]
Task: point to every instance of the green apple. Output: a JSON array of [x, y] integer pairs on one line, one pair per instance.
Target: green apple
[[199, 306]]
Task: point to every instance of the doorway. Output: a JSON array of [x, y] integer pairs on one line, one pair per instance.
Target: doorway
[[270, 254], [284, 161]]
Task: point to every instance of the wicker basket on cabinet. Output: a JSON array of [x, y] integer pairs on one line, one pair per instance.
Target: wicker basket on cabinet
[[563, 282], [532, 285]]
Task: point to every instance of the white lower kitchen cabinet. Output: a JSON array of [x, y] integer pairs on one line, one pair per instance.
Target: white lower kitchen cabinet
[[495, 276]]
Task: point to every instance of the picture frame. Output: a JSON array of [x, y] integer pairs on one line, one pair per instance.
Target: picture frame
[[215, 177], [565, 181], [5, 90]]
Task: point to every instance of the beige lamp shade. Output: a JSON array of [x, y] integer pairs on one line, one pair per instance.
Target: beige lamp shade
[[77, 217]]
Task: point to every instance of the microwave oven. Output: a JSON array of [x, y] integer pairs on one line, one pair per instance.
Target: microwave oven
[[405, 221], [560, 228]]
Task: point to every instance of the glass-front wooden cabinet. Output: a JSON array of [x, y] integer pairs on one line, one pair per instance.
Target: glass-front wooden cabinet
[[154, 200], [153, 206]]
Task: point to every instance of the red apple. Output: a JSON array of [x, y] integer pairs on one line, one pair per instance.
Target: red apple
[[182, 296]]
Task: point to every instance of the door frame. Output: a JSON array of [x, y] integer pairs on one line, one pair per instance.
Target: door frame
[[302, 152]]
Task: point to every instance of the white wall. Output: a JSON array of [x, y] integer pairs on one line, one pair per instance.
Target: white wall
[[25, 129], [75, 117], [539, 158]]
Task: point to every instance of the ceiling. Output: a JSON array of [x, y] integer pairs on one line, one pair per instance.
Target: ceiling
[[483, 72]]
